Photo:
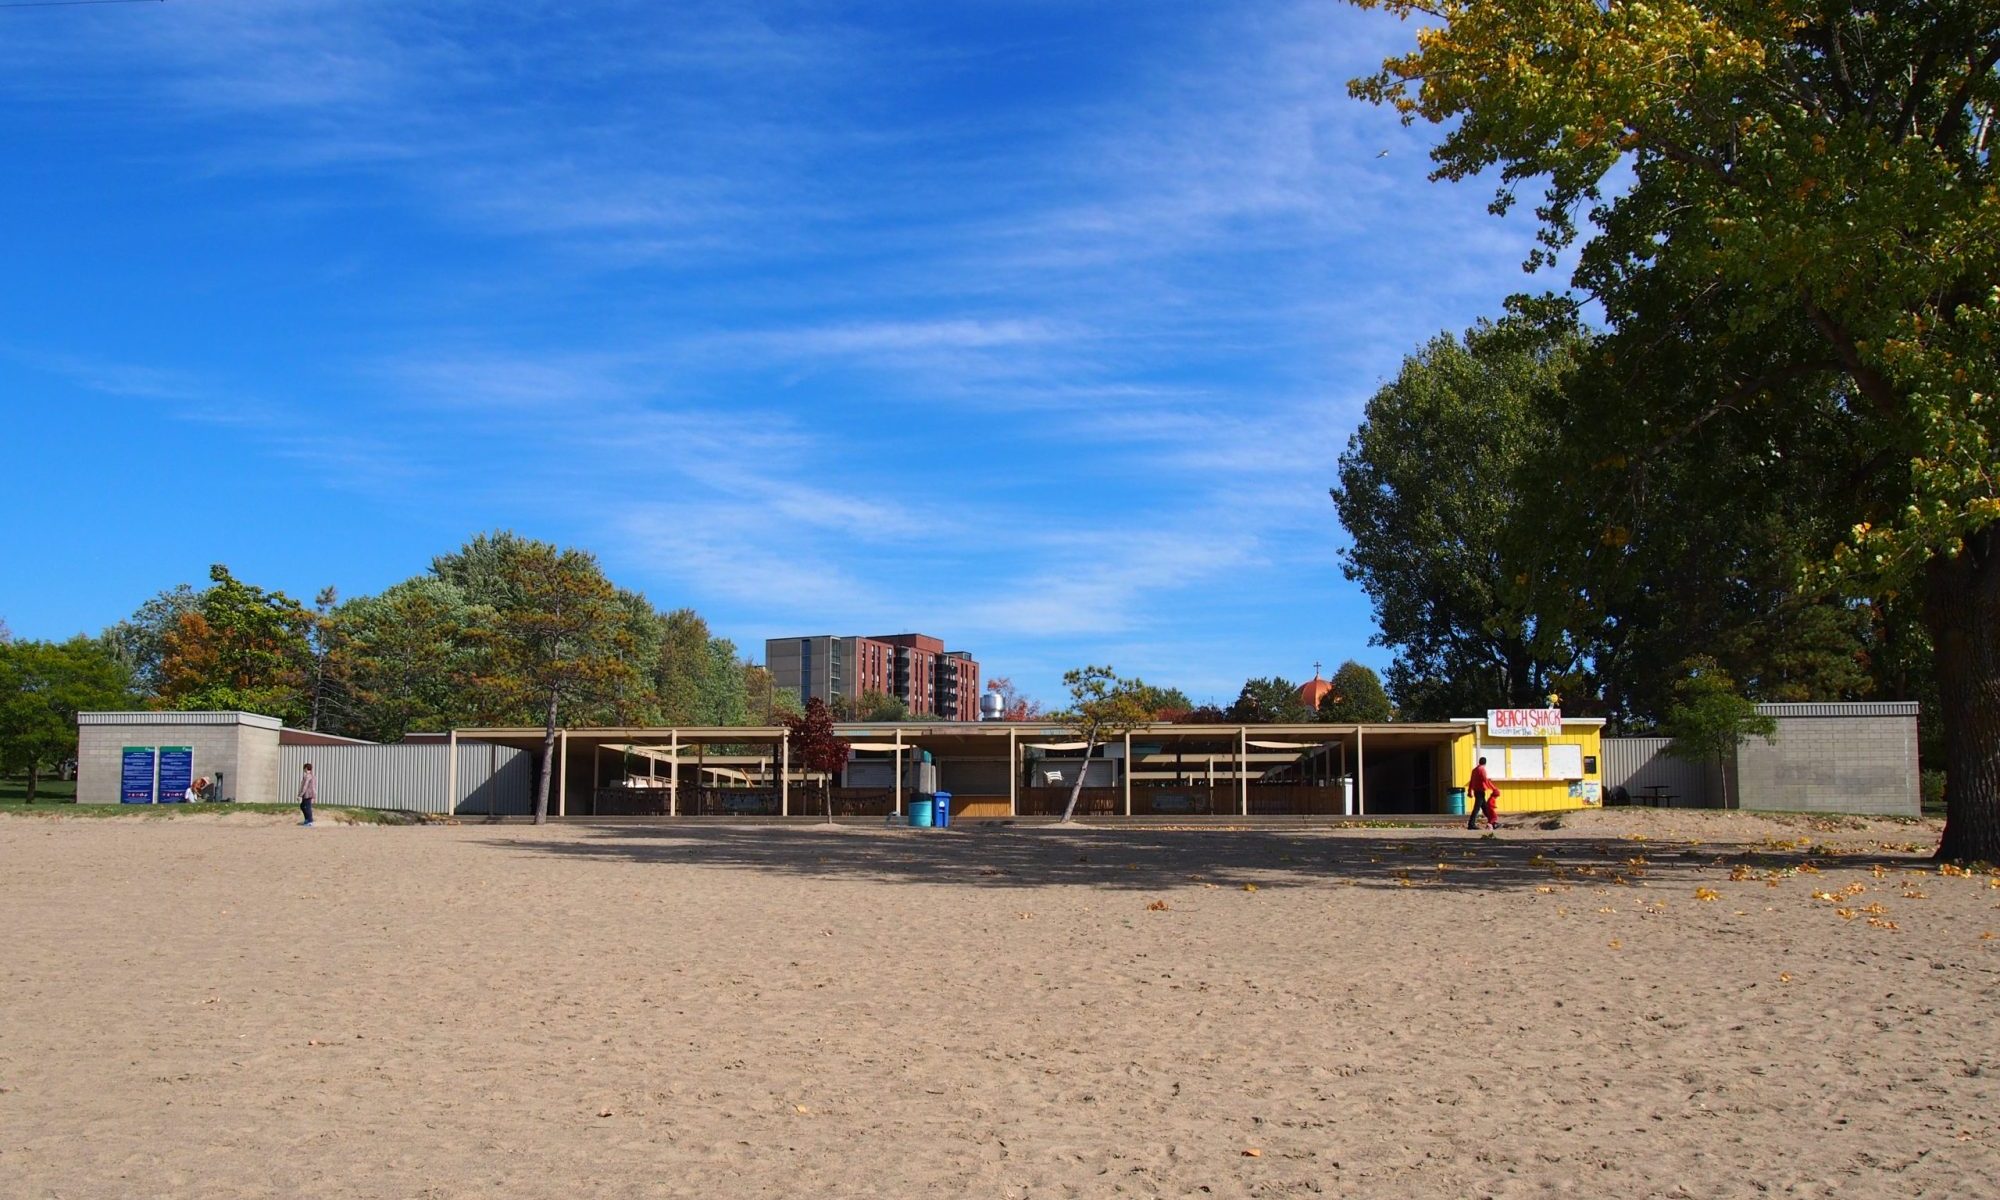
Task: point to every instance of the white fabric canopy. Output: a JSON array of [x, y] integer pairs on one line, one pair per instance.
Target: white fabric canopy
[[1286, 745], [1054, 745], [879, 746]]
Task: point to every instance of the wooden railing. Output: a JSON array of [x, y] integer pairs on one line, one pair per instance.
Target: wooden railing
[[629, 802], [729, 802], [1050, 801]]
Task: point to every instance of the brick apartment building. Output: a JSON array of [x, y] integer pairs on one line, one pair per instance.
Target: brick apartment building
[[932, 681]]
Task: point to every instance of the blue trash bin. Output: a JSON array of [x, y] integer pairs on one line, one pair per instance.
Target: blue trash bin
[[1457, 805], [921, 810], [941, 809]]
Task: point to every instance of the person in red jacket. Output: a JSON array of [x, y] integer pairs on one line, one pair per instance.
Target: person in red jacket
[[1482, 791]]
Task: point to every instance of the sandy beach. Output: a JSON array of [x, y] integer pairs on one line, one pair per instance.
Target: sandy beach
[[1635, 1004]]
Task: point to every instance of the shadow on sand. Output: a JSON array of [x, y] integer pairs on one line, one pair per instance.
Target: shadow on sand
[[1001, 856]]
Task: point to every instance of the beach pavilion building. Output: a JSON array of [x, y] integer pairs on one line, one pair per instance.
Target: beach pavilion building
[[1848, 757], [1003, 769]]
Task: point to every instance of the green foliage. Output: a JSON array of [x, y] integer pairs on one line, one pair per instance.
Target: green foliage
[[1445, 533], [1356, 698], [1102, 706], [239, 647], [43, 685], [409, 659], [1806, 198], [1165, 704], [140, 640], [559, 632], [1710, 719], [871, 706]]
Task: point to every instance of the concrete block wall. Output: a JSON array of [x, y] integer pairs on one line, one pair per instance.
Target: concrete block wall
[[243, 746], [1822, 762]]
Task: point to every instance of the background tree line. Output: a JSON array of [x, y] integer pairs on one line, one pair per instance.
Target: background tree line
[[505, 630]]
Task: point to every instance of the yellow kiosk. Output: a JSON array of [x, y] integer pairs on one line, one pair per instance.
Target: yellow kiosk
[[1540, 760]]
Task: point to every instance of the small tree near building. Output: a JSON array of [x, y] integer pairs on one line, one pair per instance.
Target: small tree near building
[[815, 748], [1356, 697], [1102, 706], [1709, 719]]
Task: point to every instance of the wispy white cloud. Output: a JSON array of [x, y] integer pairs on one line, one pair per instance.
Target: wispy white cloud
[[729, 295]]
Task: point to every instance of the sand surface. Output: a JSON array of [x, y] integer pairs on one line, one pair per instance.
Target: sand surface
[[216, 1007]]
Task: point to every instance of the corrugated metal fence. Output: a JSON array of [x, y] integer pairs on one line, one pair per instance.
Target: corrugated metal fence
[[1638, 764], [491, 779]]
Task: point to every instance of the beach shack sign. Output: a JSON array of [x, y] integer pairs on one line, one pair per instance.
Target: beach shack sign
[[1524, 722]]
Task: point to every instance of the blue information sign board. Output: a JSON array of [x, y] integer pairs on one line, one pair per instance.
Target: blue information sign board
[[176, 772], [135, 779]]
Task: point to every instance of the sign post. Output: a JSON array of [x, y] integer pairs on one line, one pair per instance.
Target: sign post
[[136, 779]]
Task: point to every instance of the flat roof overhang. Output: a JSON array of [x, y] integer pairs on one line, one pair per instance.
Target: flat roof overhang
[[974, 737]]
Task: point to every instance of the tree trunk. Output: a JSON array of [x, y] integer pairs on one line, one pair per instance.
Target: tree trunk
[[548, 761], [34, 775], [1076, 789], [1962, 610]]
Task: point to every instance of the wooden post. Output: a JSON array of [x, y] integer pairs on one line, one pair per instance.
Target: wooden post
[[562, 778], [785, 774], [1013, 774], [451, 773], [597, 773], [674, 780], [899, 772], [1360, 776], [1128, 772], [1243, 770]]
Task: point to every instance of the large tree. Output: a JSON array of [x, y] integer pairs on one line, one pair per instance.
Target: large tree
[[409, 659], [558, 634], [239, 647], [1433, 494], [1817, 181], [43, 685]]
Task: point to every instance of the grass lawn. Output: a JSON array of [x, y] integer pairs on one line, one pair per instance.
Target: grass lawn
[[13, 804], [14, 790]]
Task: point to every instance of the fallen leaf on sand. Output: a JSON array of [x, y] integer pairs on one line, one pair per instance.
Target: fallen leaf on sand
[[1617, 944], [1784, 977], [800, 1109], [1253, 1152], [603, 1112], [1249, 887], [1705, 895], [1158, 906]]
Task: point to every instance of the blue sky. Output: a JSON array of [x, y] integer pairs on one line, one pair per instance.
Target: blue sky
[[1036, 326]]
